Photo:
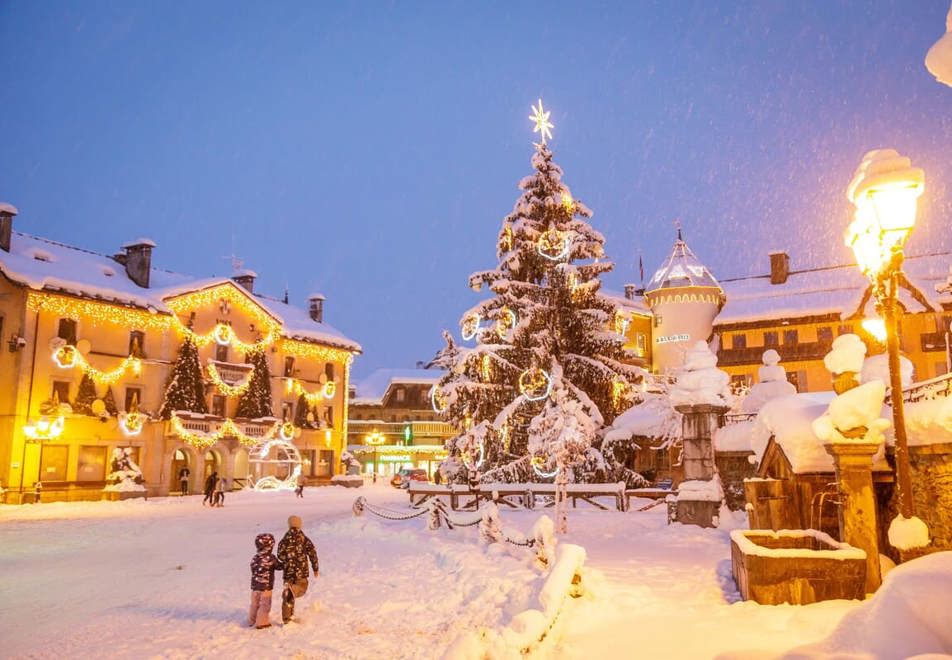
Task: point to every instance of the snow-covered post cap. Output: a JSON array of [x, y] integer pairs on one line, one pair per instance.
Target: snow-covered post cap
[[700, 381], [883, 168], [845, 361], [138, 242], [939, 57], [7, 208]]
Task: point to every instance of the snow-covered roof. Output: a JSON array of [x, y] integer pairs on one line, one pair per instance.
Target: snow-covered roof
[[373, 388], [682, 268], [6, 207], [789, 420], [636, 304], [45, 265], [830, 290]]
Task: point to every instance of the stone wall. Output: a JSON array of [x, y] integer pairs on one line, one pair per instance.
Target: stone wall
[[932, 490]]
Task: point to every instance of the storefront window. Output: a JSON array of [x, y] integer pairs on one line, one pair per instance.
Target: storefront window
[[92, 464], [53, 461]]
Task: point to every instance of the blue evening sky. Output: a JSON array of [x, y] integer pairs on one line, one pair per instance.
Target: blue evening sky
[[370, 150]]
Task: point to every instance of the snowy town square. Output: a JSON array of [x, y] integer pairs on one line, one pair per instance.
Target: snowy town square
[[476, 331]]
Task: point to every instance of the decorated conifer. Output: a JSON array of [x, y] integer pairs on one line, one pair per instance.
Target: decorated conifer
[[185, 389], [301, 411], [110, 402], [256, 401], [85, 396], [544, 327]]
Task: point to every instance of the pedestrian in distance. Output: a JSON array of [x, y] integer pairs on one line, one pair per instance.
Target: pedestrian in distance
[[220, 489], [263, 566], [210, 482], [183, 476], [37, 492], [301, 482], [295, 551]]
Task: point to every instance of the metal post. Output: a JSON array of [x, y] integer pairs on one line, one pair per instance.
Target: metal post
[[375, 463], [891, 312]]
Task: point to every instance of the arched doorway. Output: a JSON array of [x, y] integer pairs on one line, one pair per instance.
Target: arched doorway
[[180, 460], [212, 462], [241, 467]]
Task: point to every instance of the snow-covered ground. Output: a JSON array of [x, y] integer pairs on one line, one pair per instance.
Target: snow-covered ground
[[169, 578]]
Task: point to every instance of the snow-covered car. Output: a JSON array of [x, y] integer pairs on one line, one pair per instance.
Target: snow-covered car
[[403, 478]]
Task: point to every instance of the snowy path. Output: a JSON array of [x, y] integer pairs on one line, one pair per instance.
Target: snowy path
[[169, 578]]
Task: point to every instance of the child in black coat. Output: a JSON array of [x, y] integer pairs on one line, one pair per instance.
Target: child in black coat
[[263, 566]]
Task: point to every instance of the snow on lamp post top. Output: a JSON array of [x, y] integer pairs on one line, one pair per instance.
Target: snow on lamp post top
[[939, 57], [542, 123], [885, 190]]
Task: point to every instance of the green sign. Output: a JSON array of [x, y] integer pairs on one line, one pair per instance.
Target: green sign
[[408, 433]]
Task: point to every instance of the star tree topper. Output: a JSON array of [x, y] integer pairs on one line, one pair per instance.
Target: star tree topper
[[542, 123]]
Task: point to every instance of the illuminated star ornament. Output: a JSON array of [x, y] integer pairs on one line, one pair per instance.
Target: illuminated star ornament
[[542, 123]]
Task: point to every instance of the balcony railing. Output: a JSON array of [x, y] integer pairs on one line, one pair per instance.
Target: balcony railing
[[208, 424], [729, 357]]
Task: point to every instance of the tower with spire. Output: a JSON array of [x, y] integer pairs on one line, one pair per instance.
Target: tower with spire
[[685, 298]]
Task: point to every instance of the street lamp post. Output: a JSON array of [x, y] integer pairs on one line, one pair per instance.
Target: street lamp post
[[885, 191], [374, 439]]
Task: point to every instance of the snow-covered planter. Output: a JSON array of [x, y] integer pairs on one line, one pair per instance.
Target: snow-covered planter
[[527, 628], [797, 566], [348, 480], [125, 480]]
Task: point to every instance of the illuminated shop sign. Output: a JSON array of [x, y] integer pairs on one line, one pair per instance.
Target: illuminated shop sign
[[672, 339]]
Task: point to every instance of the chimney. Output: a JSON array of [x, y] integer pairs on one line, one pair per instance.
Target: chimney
[[779, 267], [7, 211], [138, 260], [633, 291], [245, 279], [315, 307]]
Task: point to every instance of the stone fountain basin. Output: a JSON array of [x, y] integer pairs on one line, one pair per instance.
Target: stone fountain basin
[[797, 566]]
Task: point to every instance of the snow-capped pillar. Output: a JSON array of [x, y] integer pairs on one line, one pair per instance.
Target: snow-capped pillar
[[699, 495], [857, 510]]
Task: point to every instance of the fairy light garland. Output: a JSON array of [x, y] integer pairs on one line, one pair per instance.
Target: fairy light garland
[[537, 463], [438, 400], [470, 327], [486, 368], [45, 428], [236, 389], [97, 313], [327, 391], [619, 391], [67, 357], [132, 421], [228, 427], [506, 323]]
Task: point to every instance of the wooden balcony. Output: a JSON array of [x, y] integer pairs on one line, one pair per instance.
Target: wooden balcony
[[730, 357]]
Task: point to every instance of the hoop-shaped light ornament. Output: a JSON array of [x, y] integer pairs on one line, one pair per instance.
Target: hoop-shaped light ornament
[[537, 463], [479, 463], [470, 327], [286, 432], [65, 357], [223, 334], [330, 387], [535, 384], [292, 458], [131, 423], [437, 400], [553, 244]]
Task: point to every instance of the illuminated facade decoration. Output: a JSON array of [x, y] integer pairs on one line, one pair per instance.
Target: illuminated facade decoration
[[125, 335], [554, 244], [535, 384]]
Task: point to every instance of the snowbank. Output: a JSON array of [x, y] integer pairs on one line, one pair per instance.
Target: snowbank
[[652, 418], [908, 616], [528, 627], [929, 422], [773, 383]]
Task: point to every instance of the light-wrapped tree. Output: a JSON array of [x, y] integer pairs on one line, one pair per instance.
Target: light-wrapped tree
[[545, 327], [256, 401], [185, 389]]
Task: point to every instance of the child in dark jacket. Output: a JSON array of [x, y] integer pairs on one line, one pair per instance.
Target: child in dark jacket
[[263, 566]]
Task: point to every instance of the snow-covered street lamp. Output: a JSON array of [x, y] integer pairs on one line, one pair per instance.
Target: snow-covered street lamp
[[885, 191]]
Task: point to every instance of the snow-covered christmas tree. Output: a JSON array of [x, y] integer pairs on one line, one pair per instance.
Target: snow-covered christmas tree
[[544, 349], [185, 389], [256, 401]]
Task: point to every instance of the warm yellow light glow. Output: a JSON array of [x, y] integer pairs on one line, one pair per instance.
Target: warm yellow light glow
[[553, 244], [327, 391], [507, 321], [470, 327], [507, 238], [96, 313], [375, 438], [619, 392], [438, 400], [67, 357], [45, 428], [875, 327], [486, 368]]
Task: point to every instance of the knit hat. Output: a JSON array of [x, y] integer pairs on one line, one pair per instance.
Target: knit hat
[[264, 542], [294, 522]]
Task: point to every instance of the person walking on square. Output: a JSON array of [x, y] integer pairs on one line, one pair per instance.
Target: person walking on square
[[183, 476], [295, 551], [220, 489], [210, 482], [263, 566], [299, 491]]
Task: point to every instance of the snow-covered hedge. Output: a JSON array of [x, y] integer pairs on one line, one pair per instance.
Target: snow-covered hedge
[[529, 627]]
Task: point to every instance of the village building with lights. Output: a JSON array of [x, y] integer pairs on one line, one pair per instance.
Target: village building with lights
[[70, 316]]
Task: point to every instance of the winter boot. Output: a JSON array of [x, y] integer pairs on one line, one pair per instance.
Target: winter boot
[[287, 605]]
